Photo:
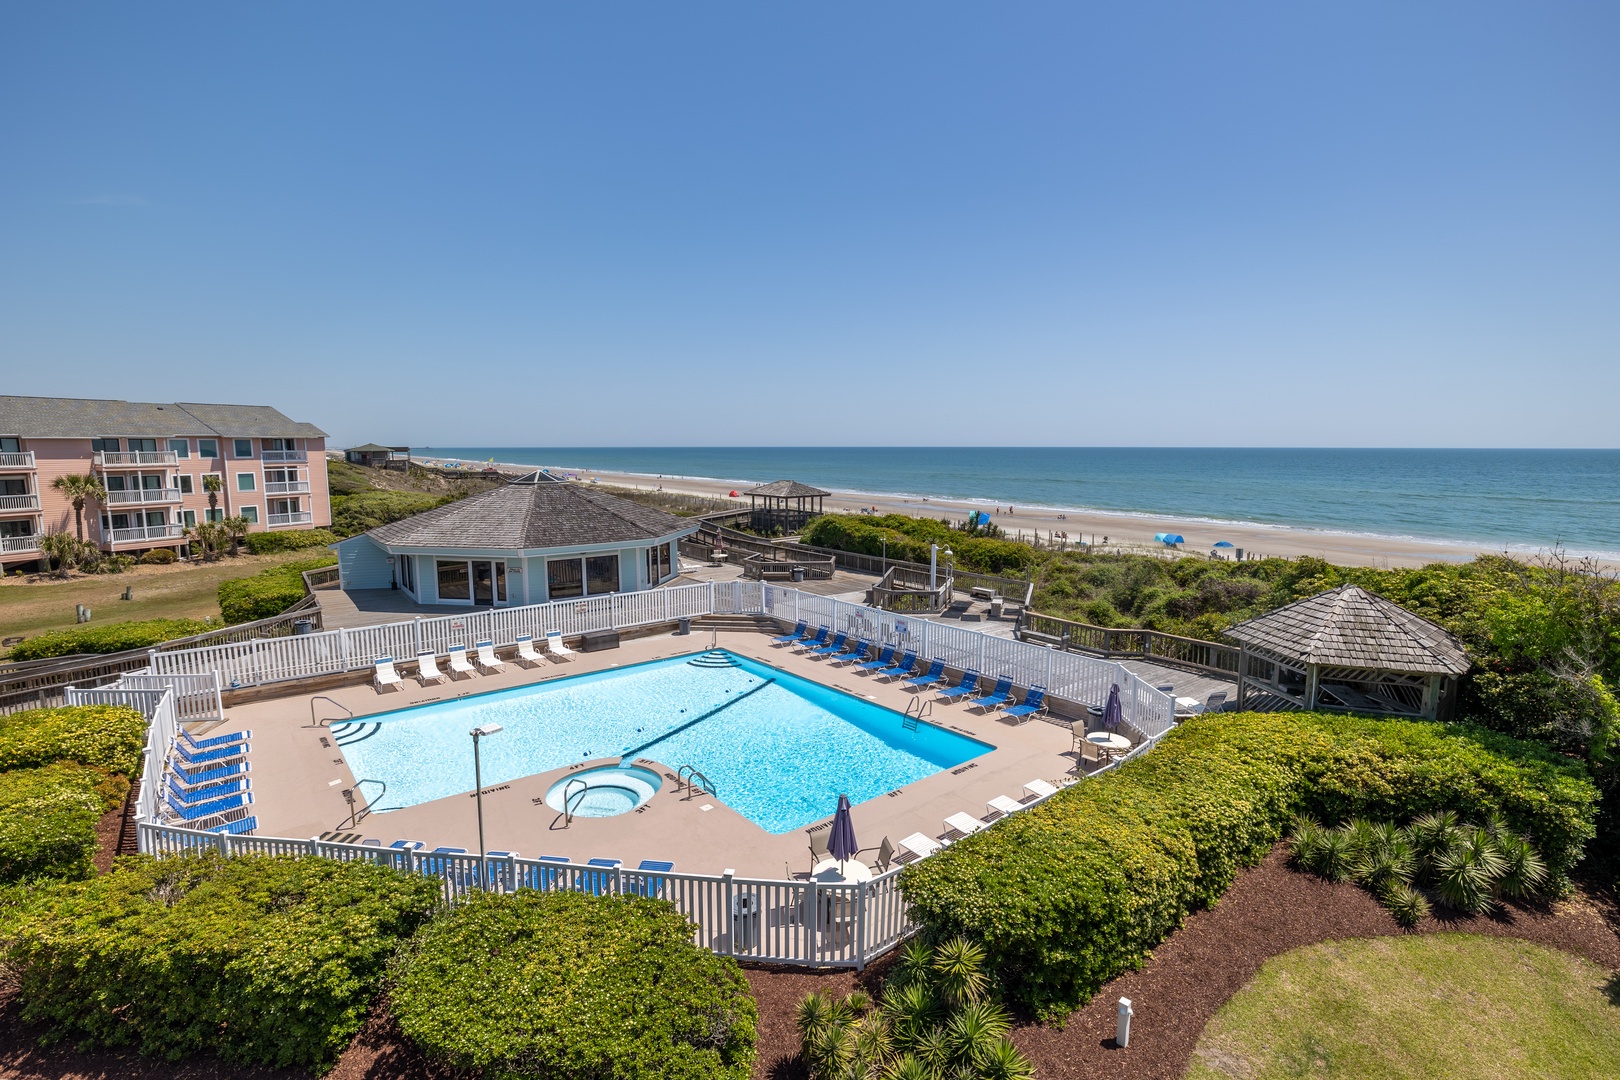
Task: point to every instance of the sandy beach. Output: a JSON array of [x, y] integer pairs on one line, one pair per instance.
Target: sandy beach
[[1111, 531]]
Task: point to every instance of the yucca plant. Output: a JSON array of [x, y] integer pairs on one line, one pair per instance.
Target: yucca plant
[[933, 1047], [908, 1067], [1463, 883], [1409, 906], [1385, 865], [959, 972], [912, 1009], [1429, 835], [1522, 869], [913, 964], [1359, 832], [976, 1029], [1335, 860], [1004, 1062], [1305, 843]]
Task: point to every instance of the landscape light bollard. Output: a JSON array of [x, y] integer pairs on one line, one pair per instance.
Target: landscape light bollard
[[1122, 1034], [478, 788]]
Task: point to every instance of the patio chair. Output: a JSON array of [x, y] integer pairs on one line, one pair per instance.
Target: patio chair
[[500, 872], [1215, 702], [651, 887], [555, 648], [187, 812], [961, 824], [836, 645], [788, 639], [487, 658], [963, 689], [458, 661], [818, 846], [907, 661], [191, 794], [816, 641], [371, 843], [1033, 704], [427, 668], [1037, 789], [597, 882], [916, 846], [525, 652], [1090, 752], [239, 827], [385, 675], [217, 740], [207, 773], [935, 672], [885, 856], [406, 845], [854, 652], [215, 756], [999, 807], [997, 697], [883, 660]]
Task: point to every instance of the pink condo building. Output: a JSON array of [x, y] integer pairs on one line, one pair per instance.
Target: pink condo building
[[152, 459]]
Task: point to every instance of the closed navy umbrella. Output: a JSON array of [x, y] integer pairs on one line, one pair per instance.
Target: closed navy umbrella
[[1112, 712], [841, 844]]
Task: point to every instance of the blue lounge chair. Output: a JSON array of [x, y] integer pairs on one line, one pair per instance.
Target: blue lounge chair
[[598, 883], [815, 641], [963, 689], [217, 740], [500, 875], [206, 792], [652, 887], [997, 697], [1034, 702], [935, 672], [884, 659], [902, 666], [836, 645], [406, 845], [220, 754], [207, 809], [853, 652], [788, 639], [237, 827], [205, 773]]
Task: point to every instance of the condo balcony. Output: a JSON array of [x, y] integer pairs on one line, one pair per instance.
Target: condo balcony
[[19, 504], [284, 455], [146, 534], [15, 545], [143, 495], [131, 459], [286, 487], [13, 459], [303, 517]]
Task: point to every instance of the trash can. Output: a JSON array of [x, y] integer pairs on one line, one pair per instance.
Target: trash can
[[684, 625], [303, 626], [744, 922], [798, 573]]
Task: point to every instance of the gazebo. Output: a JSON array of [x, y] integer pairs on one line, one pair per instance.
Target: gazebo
[[785, 505], [379, 457], [1347, 650]]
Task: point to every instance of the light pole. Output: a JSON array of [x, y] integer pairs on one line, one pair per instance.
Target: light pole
[[478, 784], [933, 567], [949, 555]]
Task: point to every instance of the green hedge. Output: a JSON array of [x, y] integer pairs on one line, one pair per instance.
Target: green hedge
[[269, 543], [1071, 893], [114, 637], [354, 514], [48, 820], [263, 960], [910, 539], [269, 592], [109, 737], [567, 984]]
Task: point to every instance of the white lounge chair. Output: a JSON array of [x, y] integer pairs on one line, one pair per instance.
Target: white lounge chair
[[427, 668], [386, 675], [962, 824], [555, 647], [915, 847], [487, 658], [1037, 789], [458, 661], [1000, 807], [525, 652]]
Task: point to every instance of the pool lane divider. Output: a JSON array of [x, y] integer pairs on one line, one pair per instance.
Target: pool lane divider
[[626, 755]]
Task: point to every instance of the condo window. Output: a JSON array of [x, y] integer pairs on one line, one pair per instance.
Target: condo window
[[9, 445], [25, 527], [120, 521], [601, 574], [148, 445], [13, 485], [216, 515], [180, 448], [185, 485], [564, 578], [250, 514], [208, 448], [189, 518], [245, 481], [156, 517], [104, 446], [454, 581], [244, 447]]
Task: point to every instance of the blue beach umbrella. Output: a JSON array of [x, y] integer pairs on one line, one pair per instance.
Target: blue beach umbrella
[[841, 844], [1223, 543], [1170, 538], [1112, 712]]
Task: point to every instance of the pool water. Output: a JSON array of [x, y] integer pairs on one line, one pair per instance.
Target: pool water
[[778, 748]]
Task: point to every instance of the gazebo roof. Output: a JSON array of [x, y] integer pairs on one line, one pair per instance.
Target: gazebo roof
[[1349, 627], [787, 489], [533, 513], [373, 448]]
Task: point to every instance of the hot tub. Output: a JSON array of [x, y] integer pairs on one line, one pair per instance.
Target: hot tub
[[606, 791]]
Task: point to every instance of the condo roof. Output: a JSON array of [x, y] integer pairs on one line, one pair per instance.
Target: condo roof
[[532, 516], [1349, 627], [787, 489], [373, 448], [85, 418]]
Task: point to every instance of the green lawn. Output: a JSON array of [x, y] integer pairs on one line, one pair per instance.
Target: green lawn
[[1432, 1005], [161, 592]]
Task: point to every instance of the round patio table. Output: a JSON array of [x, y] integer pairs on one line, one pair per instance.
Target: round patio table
[[1108, 740], [833, 872]]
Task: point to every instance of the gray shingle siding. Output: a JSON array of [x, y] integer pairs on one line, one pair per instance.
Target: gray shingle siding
[[1351, 628]]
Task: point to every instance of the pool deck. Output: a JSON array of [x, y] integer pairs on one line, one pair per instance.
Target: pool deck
[[299, 774]]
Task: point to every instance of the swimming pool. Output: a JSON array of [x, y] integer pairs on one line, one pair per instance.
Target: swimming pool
[[778, 748]]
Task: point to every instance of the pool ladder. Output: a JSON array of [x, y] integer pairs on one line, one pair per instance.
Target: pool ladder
[[569, 801], [688, 778], [322, 697], [925, 707]]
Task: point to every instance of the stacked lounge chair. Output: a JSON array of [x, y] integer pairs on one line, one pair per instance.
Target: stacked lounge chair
[[205, 785]]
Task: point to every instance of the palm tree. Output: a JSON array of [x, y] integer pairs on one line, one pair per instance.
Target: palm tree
[[236, 528], [80, 488], [212, 485], [61, 547]]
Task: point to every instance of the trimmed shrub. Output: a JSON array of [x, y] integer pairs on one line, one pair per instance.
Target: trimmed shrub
[[269, 592], [354, 514], [537, 984], [1066, 895], [48, 820], [109, 737], [114, 637], [263, 960], [158, 557], [268, 543]]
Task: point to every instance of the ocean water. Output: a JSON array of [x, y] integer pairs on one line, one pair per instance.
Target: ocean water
[[780, 756], [1522, 500]]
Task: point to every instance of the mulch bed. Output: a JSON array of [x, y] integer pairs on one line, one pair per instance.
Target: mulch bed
[[1269, 910]]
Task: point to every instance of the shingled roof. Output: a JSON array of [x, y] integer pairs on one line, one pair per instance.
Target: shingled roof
[[89, 418], [787, 489], [528, 516], [1349, 627]]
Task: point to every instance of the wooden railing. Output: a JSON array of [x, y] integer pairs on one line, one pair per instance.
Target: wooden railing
[[759, 557], [1016, 591], [1106, 641], [903, 590]]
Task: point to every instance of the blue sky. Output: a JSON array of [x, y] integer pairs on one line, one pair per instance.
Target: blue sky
[[622, 224]]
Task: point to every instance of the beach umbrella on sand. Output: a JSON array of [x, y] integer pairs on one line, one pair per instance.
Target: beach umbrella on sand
[[841, 844], [1223, 543], [1112, 712]]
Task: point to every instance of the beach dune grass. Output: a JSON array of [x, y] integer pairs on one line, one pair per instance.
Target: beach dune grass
[[1421, 1006]]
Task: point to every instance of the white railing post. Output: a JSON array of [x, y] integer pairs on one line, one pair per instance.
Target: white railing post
[[343, 643], [711, 599]]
